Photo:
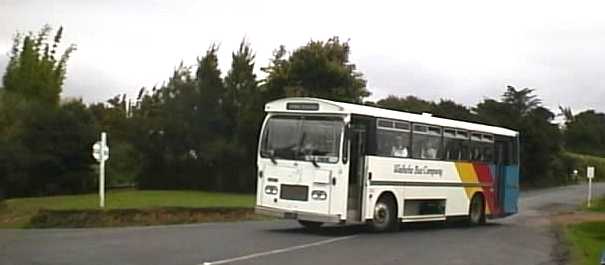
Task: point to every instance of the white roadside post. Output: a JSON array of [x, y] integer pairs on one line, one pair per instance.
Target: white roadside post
[[100, 151], [590, 176]]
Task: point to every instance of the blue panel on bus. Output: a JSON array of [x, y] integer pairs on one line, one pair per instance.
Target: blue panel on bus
[[511, 189]]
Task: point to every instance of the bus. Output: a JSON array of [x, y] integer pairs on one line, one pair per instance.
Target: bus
[[321, 161]]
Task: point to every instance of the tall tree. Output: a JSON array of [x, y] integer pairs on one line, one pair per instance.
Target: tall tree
[[244, 109], [44, 145], [241, 86], [585, 133], [318, 69], [452, 110], [276, 81], [541, 160], [409, 103], [521, 101], [35, 70]]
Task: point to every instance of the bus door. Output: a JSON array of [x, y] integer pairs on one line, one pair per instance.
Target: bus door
[[499, 174], [357, 136], [507, 175]]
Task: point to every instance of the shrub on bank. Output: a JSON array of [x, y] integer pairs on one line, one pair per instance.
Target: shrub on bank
[[582, 161]]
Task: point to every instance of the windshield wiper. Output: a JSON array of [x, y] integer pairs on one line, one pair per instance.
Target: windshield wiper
[[314, 162], [272, 157]]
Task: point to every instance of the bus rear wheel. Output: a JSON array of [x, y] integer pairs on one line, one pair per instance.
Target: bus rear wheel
[[385, 215], [310, 225], [476, 211]]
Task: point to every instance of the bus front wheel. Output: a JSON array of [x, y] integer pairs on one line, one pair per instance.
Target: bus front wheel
[[310, 225], [385, 215], [476, 212]]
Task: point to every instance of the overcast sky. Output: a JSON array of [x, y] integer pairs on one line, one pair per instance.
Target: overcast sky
[[465, 51]]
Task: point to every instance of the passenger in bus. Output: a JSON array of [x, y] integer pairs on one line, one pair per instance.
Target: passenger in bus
[[429, 151], [399, 149]]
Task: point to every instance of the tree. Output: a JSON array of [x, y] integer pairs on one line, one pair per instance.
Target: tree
[[35, 71], [245, 113], [541, 159], [184, 134], [444, 108], [497, 113], [318, 69], [567, 114], [49, 153], [241, 87], [112, 117], [585, 133], [521, 101], [45, 145], [452, 110], [409, 104], [274, 85]]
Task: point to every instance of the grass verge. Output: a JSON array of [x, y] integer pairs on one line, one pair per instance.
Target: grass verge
[[136, 217], [125, 207], [587, 241], [598, 205]]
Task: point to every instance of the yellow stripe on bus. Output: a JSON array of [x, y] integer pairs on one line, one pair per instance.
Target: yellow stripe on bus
[[467, 174]]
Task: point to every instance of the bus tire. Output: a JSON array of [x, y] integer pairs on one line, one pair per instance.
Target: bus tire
[[385, 215], [310, 225], [476, 210]]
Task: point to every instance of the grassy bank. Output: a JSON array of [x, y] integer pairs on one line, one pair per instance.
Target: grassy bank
[[587, 239], [151, 207], [587, 242]]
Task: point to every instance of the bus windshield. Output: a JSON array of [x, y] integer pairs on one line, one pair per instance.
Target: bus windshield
[[307, 138]]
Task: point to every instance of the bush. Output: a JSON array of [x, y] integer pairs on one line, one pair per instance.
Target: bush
[[580, 162], [123, 164], [47, 150]]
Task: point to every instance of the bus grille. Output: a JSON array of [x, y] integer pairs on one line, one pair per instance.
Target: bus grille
[[294, 192]]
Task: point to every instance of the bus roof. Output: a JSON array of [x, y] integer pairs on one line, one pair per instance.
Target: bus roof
[[317, 105]]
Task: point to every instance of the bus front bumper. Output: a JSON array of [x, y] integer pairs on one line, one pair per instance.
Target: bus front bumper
[[298, 215]]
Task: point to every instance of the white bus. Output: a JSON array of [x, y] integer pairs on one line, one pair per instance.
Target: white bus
[[321, 161]]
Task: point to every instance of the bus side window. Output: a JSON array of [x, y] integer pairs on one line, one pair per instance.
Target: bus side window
[[488, 153], [392, 138], [453, 145], [476, 153], [426, 142]]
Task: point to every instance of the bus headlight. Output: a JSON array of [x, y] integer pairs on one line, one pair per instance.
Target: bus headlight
[[319, 195], [271, 190]]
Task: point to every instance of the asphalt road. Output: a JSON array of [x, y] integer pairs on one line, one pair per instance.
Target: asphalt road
[[525, 238]]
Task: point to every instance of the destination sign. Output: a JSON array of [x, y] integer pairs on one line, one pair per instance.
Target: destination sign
[[302, 106]]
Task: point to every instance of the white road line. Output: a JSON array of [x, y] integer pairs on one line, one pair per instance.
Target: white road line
[[277, 251]]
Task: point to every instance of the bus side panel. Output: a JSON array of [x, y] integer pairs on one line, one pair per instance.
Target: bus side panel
[[511, 189], [485, 176]]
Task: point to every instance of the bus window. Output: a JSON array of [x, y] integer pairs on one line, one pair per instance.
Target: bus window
[[392, 138], [453, 145], [476, 152], [482, 148], [426, 142], [488, 148], [488, 153], [456, 144]]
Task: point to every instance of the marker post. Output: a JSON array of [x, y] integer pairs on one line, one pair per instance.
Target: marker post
[[590, 176], [100, 151]]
